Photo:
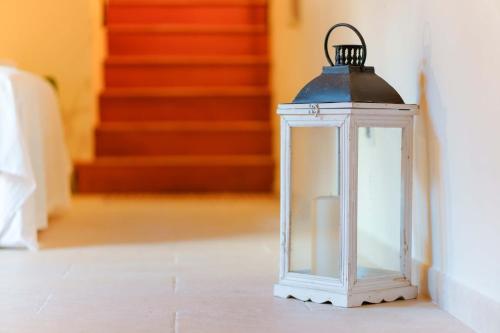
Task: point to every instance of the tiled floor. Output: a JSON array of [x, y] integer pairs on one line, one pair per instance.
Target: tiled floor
[[173, 264]]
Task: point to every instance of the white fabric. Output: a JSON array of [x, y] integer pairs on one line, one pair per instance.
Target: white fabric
[[35, 168]]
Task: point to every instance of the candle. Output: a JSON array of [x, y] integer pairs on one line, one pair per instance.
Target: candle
[[326, 236]]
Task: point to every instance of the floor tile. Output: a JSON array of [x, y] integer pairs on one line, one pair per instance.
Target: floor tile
[[175, 264]]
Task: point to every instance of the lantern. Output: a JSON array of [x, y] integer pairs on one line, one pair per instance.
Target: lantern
[[346, 185]]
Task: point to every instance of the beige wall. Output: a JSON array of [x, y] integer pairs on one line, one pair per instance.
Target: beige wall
[[60, 38], [444, 55]]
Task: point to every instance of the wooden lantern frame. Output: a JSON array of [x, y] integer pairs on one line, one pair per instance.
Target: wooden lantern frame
[[347, 291]]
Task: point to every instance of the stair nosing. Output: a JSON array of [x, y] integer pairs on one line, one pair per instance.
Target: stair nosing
[[185, 92], [222, 160], [179, 126], [189, 3], [186, 60], [186, 28]]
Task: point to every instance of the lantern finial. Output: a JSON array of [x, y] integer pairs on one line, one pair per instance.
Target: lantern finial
[[346, 54]]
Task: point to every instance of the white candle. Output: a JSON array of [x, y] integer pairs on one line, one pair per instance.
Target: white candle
[[326, 236]]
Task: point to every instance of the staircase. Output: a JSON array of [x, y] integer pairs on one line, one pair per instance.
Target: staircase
[[186, 103]]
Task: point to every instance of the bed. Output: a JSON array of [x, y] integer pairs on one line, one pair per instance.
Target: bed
[[35, 169]]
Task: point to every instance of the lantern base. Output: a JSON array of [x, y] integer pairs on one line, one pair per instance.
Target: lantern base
[[344, 300]]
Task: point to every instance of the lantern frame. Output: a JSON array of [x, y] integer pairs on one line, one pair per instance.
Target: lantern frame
[[348, 290]]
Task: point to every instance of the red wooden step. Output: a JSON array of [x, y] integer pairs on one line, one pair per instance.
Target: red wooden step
[[187, 104], [186, 12], [176, 174], [187, 40], [182, 138], [140, 71]]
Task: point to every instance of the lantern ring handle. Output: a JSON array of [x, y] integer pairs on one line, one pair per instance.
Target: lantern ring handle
[[356, 31]]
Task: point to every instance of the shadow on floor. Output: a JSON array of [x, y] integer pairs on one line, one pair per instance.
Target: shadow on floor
[[107, 220]]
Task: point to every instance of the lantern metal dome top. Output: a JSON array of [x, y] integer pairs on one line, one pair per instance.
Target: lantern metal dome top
[[348, 79]]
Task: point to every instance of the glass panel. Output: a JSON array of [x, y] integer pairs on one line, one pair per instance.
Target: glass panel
[[315, 202], [379, 201]]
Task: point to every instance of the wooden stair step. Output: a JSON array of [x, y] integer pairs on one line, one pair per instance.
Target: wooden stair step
[[187, 104], [183, 138], [186, 12], [144, 71], [176, 174], [187, 92], [187, 40]]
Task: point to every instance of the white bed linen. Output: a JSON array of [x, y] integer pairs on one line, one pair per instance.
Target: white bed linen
[[35, 168]]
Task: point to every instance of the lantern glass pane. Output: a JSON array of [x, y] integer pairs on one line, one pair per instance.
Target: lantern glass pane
[[315, 201], [379, 205]]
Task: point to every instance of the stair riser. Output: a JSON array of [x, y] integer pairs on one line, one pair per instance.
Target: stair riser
[[137, 14], [137, 109], [148, 179], [185, 75], [153, 43], [156, 143]]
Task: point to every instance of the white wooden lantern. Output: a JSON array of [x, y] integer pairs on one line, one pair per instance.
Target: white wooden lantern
[[346, 185]]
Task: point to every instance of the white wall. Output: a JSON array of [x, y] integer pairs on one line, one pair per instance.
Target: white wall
[[380, 192], [63, 39], [444, 55]]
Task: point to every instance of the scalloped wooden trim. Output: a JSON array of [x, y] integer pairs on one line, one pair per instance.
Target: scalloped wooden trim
[[348, 301], [306, 295]]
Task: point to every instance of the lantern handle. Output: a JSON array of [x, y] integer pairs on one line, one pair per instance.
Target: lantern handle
[[356, 31]]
